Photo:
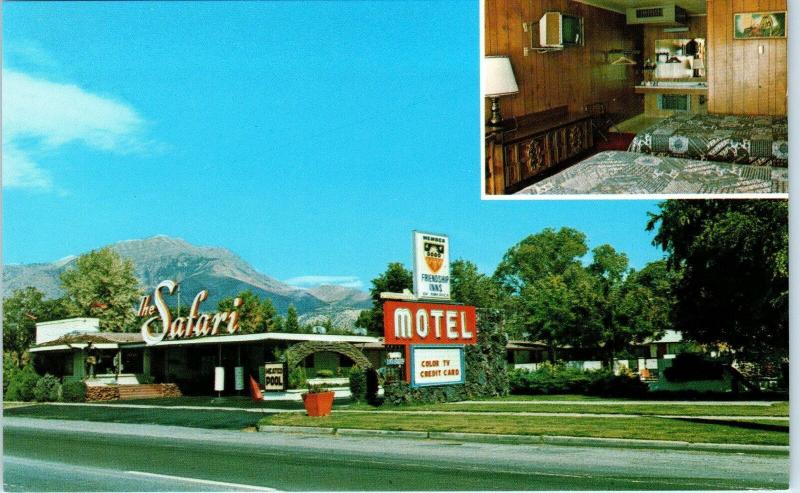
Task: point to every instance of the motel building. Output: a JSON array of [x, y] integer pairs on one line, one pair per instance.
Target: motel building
[[76, 349], [425, 335]]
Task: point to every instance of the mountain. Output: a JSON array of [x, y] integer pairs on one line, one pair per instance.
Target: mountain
[[218, 270], [342, 295]]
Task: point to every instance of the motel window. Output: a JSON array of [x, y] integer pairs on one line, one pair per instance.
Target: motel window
[[132, 362]]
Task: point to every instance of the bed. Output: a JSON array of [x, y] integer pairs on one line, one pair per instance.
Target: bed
[[622, 172], [753, 140]]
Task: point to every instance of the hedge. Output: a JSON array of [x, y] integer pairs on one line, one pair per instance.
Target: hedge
[[560, 379]]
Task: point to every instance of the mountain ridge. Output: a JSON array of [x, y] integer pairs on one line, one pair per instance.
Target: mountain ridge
[[216, 269]]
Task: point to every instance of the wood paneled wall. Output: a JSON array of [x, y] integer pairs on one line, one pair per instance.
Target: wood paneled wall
[[741, 80], [572, 77], [697, 29]]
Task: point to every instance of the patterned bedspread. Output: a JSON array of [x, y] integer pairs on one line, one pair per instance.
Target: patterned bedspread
[[615, 172], [754, 140]]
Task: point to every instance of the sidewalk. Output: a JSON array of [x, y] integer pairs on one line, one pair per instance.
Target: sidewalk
[[529, 439], [589, 402]]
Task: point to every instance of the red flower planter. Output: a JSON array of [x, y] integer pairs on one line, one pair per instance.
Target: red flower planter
[[318, 403]]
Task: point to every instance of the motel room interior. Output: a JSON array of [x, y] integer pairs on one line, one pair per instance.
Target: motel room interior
[[635, 97]]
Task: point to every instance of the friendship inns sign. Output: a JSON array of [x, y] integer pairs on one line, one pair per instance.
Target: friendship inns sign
[[431, 266], [194, 325]]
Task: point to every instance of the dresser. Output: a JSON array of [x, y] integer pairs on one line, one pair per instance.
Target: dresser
[[533, 144]]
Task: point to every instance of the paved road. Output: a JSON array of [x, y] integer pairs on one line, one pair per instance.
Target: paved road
[[127, 457]]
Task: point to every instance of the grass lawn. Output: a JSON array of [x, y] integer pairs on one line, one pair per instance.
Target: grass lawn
[[748, 429], [662, 408], [665, 408], [232, 420], [647, 428]]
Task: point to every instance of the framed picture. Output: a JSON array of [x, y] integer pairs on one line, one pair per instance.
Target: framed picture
[[759, 25]]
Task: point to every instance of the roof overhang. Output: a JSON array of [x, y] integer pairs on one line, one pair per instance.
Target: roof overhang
[[77, 345], [266, 336]]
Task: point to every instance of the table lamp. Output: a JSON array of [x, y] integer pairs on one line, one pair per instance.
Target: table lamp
[[498, 80]]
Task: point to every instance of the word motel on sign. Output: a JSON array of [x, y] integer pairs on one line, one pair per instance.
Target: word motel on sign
[[194, 325], [411, 322], [450, 323]]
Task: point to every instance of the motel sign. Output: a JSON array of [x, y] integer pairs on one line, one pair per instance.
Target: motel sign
[[428, 323], [435, 331]]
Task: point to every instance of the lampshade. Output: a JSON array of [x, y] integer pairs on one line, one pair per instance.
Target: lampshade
[[498, 76]]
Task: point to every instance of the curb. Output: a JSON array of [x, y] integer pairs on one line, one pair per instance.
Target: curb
[[486, 437], [531, 439], [316, 430], [389, 433]]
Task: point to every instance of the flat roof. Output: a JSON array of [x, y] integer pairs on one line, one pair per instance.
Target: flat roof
[[262, 336], [113, 340]]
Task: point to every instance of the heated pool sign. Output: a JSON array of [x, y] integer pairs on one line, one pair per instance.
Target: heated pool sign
[[431, 266]]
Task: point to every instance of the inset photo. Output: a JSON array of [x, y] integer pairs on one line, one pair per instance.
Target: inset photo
[[683, 100]]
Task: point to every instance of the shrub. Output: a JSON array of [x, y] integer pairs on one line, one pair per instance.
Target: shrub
[[605, 383], [560, 379], [358, 384], [316, 389], [73, 391], [693, 366], [344, 371], [21, 385], [297, 378], [9, 368], [324, 373], [549, 379], [145, 379], [47, 389]]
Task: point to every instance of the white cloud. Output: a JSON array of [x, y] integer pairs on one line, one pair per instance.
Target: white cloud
[[312, 281], [40, 116]]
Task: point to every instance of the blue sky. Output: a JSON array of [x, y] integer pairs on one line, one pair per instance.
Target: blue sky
[[309, 138]]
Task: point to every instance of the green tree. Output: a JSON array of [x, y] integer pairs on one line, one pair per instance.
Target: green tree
[[251, 312], [291, 324], [469, 286], [255, 314], [395, 279], [557, 309], [646, 302], [543, 280], [21, 311], [539, 255], [731, 260], [102, 285], [609, 268]]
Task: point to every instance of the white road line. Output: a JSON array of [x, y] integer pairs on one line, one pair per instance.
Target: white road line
[[203, 481]]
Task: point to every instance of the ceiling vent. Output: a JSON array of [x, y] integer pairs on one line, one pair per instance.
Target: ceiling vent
[[667, 15]]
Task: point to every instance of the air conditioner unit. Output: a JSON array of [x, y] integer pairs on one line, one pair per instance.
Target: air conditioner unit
[[667, 14]]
